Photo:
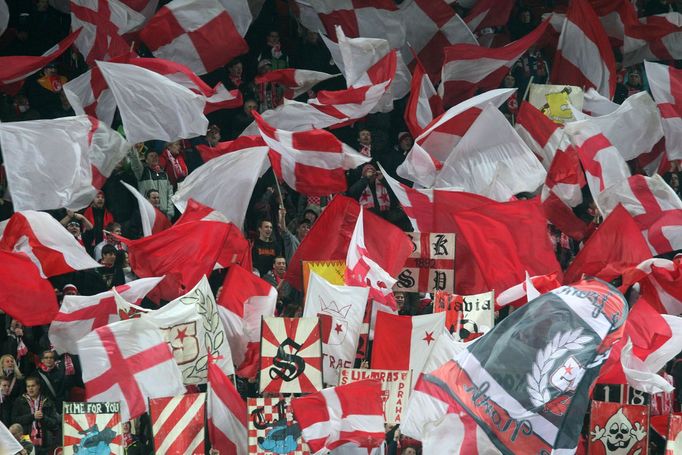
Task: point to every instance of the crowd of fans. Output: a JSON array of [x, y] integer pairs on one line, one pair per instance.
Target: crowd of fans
[[35, 380]]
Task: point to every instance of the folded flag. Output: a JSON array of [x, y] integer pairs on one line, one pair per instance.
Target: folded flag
[[660, 283], [227, 414], [295, 81], [654, 37], [666, 88], [153, 220], [424, 103]]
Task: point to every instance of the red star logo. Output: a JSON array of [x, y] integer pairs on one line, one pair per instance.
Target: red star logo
[[569, 369], [338, 329], [428, 338], [182, 334]]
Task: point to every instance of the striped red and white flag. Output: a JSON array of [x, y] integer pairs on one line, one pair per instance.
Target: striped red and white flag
[[424, 103], [200, 34], [654, 206], [153, 220], [666, 88], [660, 282], [542, 135], [310, 162], [178, 423], [584, 56], [227, 414], [339, 415], [656, 37], [469, 68], [295, 81], [489, 13]]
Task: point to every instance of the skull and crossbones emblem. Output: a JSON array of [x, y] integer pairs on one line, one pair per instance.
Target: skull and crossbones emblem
[[619, 435]]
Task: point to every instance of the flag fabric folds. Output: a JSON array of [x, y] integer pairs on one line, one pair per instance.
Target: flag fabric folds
[[153, 220], [227, 414], [424, 103], [659, 282], [666, 88]]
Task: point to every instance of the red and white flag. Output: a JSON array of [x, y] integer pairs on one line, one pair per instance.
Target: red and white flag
[[660, 283], [543, 136], [15, 69], [295, 81], [469, 68], [107, 149], [310, 162], [243, 300], [80, 314], [209, 152], [178, 423], [45, 241], [24, 294], [145, 7], [584, 56], [489, 13], [526, 291], [424, 103], [124, 361], [234, 173], [604, 165], [595, 104], [200, 34], [227, 414], [657, 37], [349, 413], [153, 220], [362, 271], [654, 206], [404, 342], [666, 88]]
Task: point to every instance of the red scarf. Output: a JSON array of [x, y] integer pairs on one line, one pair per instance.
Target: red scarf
[[36, 428], [177, 165], [367, 200], [90, 216]]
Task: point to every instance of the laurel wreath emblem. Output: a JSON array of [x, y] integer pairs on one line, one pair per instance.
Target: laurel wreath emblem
[[544, 361]]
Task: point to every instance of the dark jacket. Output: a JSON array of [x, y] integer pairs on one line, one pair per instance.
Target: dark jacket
[[21, 413]]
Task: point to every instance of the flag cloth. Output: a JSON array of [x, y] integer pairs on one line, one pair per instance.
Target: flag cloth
[[384, 241], [404, 342], [666, 88], [489, 13], [192, 327], [469, 68], [310, 162], [177, 112], [226, 414], [8, 443], [208, 152], [527, 290], [656, 37], [542, 135], [564, 345], [654, 206], [178, 423], [584, 56], [597, 105], [70, 156], [243, 301], [200, 34], [153, 220], [123, 362], [338, 415], [659, 281], [24, 294], [363, 271], [340, 310], [424, 103], [102, 22], [234, 173], [616, 246], [80, 314], [45, 241], [296, 82]]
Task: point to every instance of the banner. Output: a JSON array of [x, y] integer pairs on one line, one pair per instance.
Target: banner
[[467, 317], [331, 271], [431, 266], [618, 429], [290, 355], [178, 423], [272, 428], [674, 443], [92, 428], [555, 100], [395, 387]]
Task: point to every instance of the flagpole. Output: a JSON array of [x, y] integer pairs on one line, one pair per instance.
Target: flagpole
[[279, 191], [525, 95]]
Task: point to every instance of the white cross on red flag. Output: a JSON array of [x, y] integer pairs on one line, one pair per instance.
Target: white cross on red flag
[[128, 361]]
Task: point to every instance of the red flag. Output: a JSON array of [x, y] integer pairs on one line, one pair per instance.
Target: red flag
[[518, 295], [489, 13], [296, 82], [424, 103], [666, 88], [660, 283], [227, 425], [384, 241], [242, 142], [178, 423], [338, 415], [24, 294], [616, 246]]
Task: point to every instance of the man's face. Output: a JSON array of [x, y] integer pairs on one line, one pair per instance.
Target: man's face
[[152, 159], [406, 143], [399, 300], [273, 38], [310, 216], [4, 387], [16, 432], [99, 200], [213, 137], [32, 388], [155, 199], [280, 266], [265, 230], [365, 137], [49, 359], [108, 258], [302, 230], [74, 229], [237, 69]]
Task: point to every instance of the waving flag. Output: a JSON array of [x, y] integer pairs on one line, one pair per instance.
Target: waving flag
[[310, 162], [468, 68], [565, 342], [660, 283], [24, 294], [666, 88], [338, 415], [200, 34], [424, 103], [543, 136], [177, 111], [137, 356], [596, 104], [103, 22], [45, 241], [296, 82], [153, 220], [227, 414], [80, 314], [655, 37], [584, 56], [489, 13]]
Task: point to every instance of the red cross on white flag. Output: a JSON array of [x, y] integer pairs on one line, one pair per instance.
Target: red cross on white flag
[[124, 361]]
